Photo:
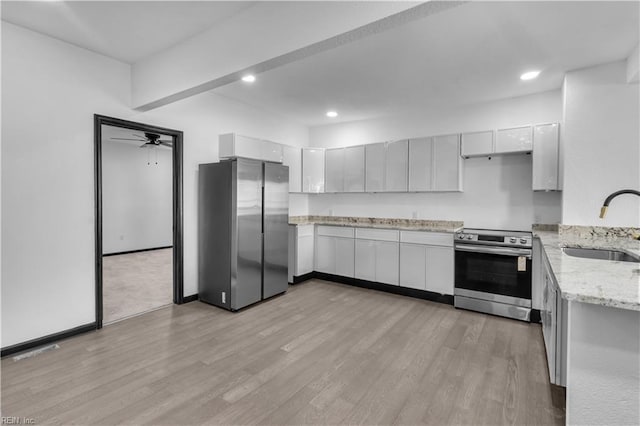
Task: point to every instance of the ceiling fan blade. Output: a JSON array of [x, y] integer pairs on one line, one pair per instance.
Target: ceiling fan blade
[[128, 139], [145, 145], [165, 143]]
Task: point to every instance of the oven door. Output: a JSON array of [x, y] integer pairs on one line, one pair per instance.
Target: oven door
[[502, 272]]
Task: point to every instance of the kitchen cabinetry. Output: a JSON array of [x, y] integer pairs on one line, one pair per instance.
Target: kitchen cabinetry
[[312, 170], [475, 144], [292, 157], [374, 167], [301, 250], [545, 157], [447, 163], [396, 166], [232, 145], [386, 166], [435, 164], [354, 169], [426, 261], [420, 164], [344, 169], [517, 139], [335, 250], [334, 170], [377, 254], [554, 326]]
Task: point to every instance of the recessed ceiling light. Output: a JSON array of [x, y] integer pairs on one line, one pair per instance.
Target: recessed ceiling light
[[332, 114], [249, 78], [529, 75]]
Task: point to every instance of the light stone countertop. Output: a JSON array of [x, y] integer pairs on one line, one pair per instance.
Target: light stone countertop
[[600, 282], [379, 223]]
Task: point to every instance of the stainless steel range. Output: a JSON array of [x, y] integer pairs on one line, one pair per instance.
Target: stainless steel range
[[493, 272]]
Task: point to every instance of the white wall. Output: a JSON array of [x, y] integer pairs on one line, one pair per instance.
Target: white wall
[[601, 142], [51, 90], [497, 192], [137, 197]]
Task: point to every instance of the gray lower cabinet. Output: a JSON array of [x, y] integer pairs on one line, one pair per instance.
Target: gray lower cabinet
[[427, 261], [377, 255], [301, 250], [554, 325], [413, 259], [335, 249]]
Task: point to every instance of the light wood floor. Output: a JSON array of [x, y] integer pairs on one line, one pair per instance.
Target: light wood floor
[[323, 353], [134, 283]]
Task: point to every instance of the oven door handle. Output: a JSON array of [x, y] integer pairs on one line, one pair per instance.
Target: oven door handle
[[501, 251]]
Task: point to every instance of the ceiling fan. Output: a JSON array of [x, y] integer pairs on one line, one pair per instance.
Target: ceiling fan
[[150, 140]]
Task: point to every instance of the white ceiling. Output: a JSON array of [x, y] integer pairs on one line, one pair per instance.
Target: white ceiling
[[469, 54], [124, 30]]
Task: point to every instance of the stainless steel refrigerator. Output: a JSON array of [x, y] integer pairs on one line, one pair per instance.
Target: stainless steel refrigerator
[[243, 214]]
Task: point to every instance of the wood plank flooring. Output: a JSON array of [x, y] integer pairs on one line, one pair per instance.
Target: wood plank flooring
[[323, 353]]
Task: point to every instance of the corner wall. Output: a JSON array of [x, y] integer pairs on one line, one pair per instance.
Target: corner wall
[[497, 192], [50, 91], [601, 142]]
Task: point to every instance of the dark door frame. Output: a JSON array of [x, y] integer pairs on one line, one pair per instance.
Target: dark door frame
[[178, 248]]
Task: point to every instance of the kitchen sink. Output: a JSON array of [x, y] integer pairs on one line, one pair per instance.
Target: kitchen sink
[[603, 254]]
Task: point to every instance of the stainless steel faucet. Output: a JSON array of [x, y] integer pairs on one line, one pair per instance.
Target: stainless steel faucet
[[605, 205]]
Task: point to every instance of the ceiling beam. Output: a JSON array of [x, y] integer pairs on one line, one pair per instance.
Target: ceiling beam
[[261, 38]]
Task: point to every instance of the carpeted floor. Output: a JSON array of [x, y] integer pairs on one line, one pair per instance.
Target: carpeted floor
[[135, 283]]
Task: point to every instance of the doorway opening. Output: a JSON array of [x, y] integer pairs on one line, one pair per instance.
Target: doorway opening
[[139, 218]]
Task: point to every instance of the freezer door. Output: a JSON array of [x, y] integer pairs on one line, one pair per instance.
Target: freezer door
[[246, 267], [215, 217], [276, 219]]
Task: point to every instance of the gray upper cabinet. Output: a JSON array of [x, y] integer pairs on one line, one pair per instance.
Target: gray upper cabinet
[[420, 164], [545, 157], [344, 169], [517, 139], [447, 163], [477, 144], [312, 170], [292, 157], [354, 169], [435, 164], [396, 166], [374, 167], [334, 170]]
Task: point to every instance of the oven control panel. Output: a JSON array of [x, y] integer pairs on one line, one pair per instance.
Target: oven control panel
[[494, 238]]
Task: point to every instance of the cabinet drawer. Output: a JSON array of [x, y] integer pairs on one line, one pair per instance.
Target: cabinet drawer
[[305, 230], [335, 231], [430, 238], [378, 234]]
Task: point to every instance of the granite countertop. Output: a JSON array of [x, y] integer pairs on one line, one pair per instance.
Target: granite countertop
[[601, 282], [380, 223]]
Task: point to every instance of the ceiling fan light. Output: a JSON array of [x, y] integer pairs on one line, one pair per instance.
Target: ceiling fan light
[[249, 78]]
